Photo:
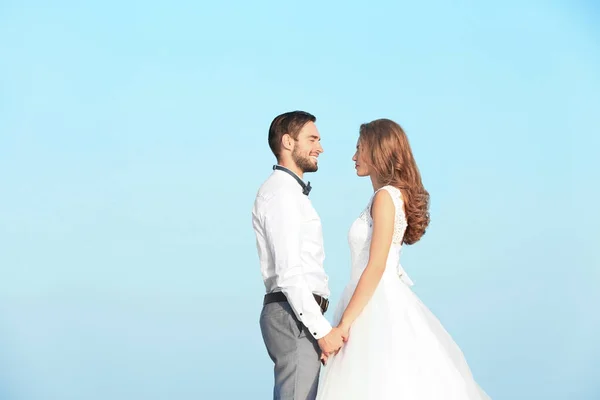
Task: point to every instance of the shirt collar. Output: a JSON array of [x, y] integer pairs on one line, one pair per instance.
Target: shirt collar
[[305, 186]]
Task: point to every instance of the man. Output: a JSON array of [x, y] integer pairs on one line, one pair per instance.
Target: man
[[290, 248]]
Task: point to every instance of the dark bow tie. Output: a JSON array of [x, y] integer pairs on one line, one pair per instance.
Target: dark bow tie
[[306, 188]]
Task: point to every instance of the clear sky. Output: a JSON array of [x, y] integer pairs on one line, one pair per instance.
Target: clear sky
[[133, 138]]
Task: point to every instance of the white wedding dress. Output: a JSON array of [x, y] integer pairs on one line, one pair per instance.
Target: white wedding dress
[[397, 348]]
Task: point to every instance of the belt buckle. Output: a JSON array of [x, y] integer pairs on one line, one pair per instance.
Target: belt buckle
[[324, 304]]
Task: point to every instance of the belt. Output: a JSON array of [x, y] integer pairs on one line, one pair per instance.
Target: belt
[[280, 297]]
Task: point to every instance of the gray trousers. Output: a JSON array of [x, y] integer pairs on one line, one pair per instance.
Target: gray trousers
[[294, 351]]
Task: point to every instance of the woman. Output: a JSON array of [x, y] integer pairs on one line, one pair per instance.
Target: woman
[[397, 349]]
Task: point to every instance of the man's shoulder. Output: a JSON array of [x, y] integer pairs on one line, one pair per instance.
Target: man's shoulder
[[276, 195], [274, 186]]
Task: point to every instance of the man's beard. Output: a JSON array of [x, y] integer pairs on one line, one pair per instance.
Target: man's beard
[[306, 164]]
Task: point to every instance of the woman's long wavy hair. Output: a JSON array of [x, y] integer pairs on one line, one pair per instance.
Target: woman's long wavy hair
[[391, 160]]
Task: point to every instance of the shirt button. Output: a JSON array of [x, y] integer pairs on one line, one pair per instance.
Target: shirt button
[[300, 313], [315, 333]]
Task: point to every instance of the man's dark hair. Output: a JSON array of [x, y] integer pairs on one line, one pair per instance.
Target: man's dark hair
[[290, 123]]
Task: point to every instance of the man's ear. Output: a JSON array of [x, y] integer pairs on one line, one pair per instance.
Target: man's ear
[[287, 142]]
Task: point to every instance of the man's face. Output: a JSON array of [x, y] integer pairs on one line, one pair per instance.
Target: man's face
[[307, 148]]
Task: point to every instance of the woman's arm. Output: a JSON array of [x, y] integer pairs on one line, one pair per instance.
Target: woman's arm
[[383, 213]]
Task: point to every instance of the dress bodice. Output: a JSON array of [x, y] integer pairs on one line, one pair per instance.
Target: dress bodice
[[359, 238]]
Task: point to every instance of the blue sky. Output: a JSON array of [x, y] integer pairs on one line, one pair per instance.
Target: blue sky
[[133, 140]]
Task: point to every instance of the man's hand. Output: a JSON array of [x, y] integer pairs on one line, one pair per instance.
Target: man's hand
[[324, 359], [332, 342]]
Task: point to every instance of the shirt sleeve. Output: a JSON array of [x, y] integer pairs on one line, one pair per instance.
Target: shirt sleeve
[[283, 227]]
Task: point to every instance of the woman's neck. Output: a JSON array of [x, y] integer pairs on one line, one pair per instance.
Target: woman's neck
[[376, 184]]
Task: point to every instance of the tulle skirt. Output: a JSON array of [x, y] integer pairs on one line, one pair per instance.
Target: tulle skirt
[[397, 349]]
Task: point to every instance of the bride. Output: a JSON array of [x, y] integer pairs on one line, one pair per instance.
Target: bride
[[396, 349]]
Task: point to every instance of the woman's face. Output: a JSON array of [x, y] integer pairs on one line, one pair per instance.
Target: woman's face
[[360, 163]]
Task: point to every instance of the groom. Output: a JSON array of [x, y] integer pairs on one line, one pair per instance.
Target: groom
[[289, 240]]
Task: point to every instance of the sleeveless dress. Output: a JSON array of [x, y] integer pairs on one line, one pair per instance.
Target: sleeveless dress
[[397, 348]]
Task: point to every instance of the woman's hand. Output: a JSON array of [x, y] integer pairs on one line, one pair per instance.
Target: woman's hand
[[345, 328]]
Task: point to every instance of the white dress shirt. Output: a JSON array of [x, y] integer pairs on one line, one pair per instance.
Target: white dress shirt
[[289, 240]]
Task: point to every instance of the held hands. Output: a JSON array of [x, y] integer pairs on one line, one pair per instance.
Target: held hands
[[333, 341]]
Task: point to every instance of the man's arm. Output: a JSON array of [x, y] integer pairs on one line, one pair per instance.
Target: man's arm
[[283, 226]]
